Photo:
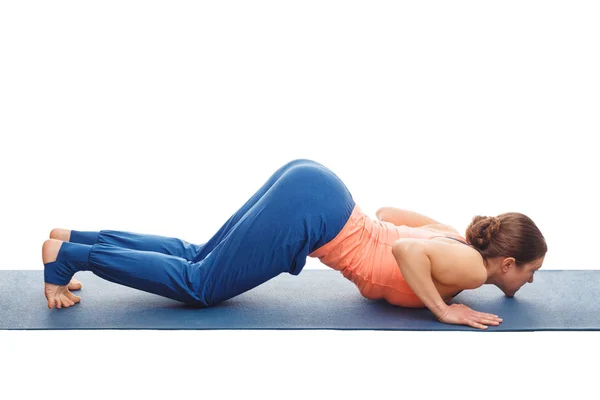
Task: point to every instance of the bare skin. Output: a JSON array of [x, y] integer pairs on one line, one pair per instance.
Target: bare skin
[[501, 271], [58, 296], [65, 236], [60, 234]]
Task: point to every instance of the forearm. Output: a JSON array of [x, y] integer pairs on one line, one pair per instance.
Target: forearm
[[415, 267], [398, 216]]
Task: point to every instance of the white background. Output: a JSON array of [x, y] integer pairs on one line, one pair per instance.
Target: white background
[[165, 117]]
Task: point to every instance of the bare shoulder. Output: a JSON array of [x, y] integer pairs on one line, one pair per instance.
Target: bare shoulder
[[456, 261], [452, 263]]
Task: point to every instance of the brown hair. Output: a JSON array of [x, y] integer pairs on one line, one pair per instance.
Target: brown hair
[[507, 235]]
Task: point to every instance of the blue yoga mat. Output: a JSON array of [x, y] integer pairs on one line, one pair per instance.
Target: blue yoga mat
[[559, 300]]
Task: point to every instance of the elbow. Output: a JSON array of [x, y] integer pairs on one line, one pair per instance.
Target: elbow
[[404, 246], [398, 249], [403, 249]]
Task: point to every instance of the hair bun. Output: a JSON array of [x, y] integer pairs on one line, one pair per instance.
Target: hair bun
[[482, 230]]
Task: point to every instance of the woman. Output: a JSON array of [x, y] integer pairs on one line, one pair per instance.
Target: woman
[[304, 209]]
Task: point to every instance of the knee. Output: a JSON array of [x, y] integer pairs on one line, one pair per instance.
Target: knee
[[197, 298], [207, 299], [199, 302]]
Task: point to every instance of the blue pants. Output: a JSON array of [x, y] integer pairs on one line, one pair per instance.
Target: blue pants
[[301, 207]]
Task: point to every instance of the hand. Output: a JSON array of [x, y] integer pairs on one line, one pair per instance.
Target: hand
[[460, 314]]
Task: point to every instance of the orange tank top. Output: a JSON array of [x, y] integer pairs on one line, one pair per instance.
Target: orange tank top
[[362, 252]]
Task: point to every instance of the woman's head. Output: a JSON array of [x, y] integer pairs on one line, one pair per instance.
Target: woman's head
[[512, 246]]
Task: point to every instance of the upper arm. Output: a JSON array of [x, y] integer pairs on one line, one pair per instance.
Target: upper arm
[[451, 264], [441, 227], [398, 216]]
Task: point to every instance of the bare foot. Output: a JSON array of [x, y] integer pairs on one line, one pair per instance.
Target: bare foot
[[56, 294], [65, 236], [59, 296], [74, 284], [60, 234]]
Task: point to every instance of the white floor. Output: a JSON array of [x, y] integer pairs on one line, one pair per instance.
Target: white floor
[[164, 118], [298, 364]]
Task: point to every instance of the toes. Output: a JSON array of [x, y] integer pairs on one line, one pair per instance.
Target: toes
[[65, 302], [74, 284], [72, 297], [61, 298]]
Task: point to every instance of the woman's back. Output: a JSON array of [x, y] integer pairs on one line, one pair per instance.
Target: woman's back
[[362, 252]]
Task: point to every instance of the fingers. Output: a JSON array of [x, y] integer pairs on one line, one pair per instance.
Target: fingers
[[491, 317], [462, 314], [480, 323], [476, 324], [488, 321], [481, 314], [479, 319]]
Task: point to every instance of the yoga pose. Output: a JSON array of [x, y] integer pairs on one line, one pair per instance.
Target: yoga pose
[[305, 210]]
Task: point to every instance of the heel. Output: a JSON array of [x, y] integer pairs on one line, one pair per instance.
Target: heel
[[71, 257]]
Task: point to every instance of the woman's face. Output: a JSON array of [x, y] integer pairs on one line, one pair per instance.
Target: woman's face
[[516, 277]]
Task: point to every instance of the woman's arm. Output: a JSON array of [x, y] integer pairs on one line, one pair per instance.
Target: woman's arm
[[416, 269], [398, 216], [422, 260]]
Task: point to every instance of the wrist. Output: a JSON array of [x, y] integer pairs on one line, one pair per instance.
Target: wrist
[[440, 310]]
